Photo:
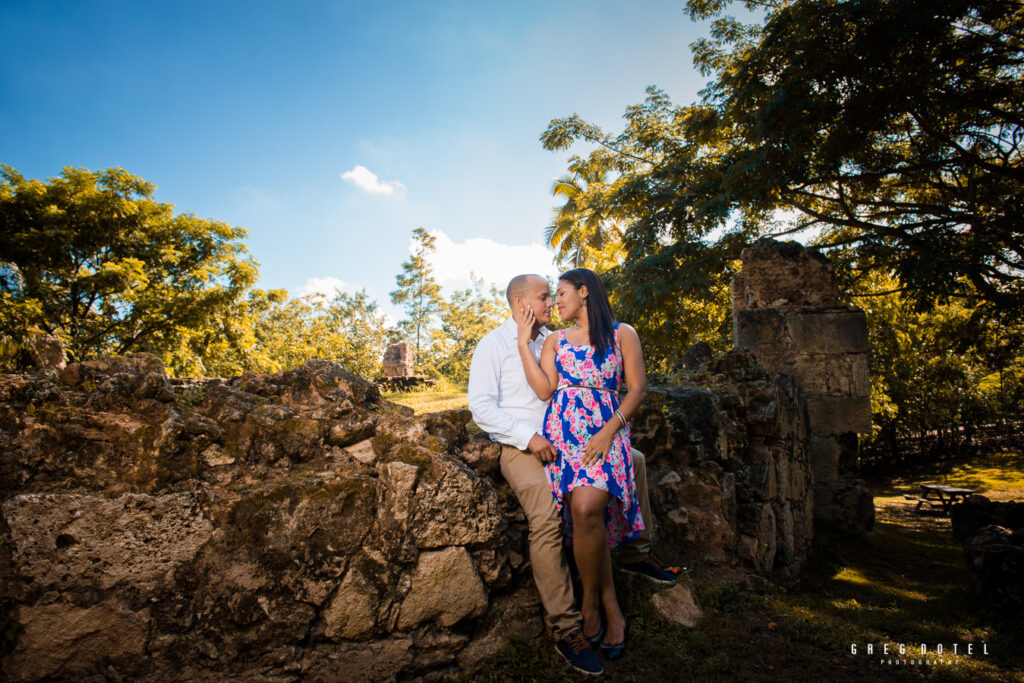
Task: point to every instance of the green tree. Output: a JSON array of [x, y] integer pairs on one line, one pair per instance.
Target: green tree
[[91, 258], [465, 318], [364, 332], [892, 128], [417, 288], [348, 329], [582, 232]]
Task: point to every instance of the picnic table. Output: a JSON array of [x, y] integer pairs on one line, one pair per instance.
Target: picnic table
[[941, 496]]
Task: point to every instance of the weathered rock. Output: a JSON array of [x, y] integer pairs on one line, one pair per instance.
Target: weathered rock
[[978, 511], [787, 312], [735, 483], [399, 360], [67, 541], [482, 455], [781, 274], [254, 527], [757, 521], [445, 588], [845, 505], [351, 613], [455, 508], [694, 518], [47, 352], [995, 556], [67, 641], [377, 661], [697, 356], [512, 617], [678, 605], [839, 414]]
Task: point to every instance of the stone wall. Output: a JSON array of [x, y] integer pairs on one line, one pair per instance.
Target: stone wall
[[787, 313], [296, 525], [267, 526], [729, 467]]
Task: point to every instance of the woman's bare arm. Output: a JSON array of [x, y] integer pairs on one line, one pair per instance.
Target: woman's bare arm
[[636, 373], [542, 380]]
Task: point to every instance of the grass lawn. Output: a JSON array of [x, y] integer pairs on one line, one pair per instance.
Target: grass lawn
[[430, 399], [907, 583]]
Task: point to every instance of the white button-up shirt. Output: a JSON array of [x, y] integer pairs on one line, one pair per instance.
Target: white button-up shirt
[[500, 397]]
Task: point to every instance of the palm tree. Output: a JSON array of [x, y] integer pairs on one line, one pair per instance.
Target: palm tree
[[585, 230]]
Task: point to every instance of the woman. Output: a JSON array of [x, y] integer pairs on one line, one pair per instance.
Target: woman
[[581, 369]]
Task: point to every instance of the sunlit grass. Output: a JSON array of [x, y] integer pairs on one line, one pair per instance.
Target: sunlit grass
[[444, 396], [854, 576]]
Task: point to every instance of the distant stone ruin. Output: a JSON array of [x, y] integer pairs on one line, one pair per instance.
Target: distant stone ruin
[[399, 360], [397, 368]]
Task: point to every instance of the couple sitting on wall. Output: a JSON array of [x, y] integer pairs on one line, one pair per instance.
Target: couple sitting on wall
[[551, 400]]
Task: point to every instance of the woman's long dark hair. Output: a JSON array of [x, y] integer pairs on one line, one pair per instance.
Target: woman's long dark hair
[[599, 311]]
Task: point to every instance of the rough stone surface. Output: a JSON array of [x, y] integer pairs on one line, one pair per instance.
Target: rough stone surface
[[995, 556], [837, 415], [399, 360], [64, 541], [845, 505], [787, 313], [47, 352], [445, 587], [993, 538], [697, 356], [65, 639], [482, 455], [351, 612], [260, 527], [678, 605], [781, 275], [978, 511], [731, 479], [377, 661]]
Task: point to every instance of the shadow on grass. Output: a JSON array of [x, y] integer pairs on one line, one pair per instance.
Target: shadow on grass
[[906, 583]]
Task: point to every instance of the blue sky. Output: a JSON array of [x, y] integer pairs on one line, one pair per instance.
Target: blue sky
[[252, 112]]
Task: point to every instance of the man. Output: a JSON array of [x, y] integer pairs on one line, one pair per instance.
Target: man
[[504, 405]]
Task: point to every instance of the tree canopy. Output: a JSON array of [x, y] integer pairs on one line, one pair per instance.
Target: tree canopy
[[886, 132], [91, 258], [891, 128]]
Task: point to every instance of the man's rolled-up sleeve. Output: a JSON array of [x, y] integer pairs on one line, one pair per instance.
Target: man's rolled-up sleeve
[[483, 390]]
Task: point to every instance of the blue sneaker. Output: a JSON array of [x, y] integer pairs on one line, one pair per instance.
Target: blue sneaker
[[652, 571], [576, 650]]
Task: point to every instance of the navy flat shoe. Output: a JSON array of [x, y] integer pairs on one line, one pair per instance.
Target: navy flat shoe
[[595, 640], [615, 651]]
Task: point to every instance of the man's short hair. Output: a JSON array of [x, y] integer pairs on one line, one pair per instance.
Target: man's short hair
[[518, 285]]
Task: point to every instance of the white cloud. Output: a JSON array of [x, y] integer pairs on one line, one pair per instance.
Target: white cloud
[[493, 261], [328, 286], [367, 181]]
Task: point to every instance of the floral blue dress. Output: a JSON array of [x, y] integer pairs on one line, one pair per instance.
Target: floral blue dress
[[586, 398]]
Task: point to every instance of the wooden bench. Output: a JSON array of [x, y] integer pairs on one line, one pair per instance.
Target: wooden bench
[[921, 501]]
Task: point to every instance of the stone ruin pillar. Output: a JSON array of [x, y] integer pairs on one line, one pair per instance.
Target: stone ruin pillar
[[787, 313], [399, 360], [397, 367]]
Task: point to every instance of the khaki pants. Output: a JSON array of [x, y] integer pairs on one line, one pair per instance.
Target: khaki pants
[[525, 474]]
